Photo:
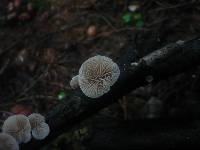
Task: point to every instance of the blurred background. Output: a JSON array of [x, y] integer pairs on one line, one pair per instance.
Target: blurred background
[[44, 42]]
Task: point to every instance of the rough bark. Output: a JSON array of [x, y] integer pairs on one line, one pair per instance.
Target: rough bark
[[162, 63]]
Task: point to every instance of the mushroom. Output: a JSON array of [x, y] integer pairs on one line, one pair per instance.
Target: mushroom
[[7, 142], [19, 127], [41, 131], [36, 119], [74, 82], [97, 75]]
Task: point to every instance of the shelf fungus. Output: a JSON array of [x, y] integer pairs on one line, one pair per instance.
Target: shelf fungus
[[19, 127], [97, 75], [40, 129], [7, 142]]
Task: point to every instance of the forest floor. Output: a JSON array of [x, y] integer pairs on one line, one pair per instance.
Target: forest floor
[[43, 44]]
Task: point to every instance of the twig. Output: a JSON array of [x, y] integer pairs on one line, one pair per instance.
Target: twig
[[108, 33], [174, 6], [37, 97], [6, 63], [33, 82]]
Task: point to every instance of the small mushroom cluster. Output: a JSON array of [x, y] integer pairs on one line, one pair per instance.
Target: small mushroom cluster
[[17, 129], [40, 129], [96, 76], [7, 142]]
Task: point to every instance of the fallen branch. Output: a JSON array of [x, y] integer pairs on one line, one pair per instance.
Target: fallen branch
[[163, 63], [145, 134]]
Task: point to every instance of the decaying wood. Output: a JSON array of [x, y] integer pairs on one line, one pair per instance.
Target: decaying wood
[[144, 134], [162, 63]]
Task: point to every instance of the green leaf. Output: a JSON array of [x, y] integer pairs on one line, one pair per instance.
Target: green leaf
[[139, 24], [127, 17], [62, 95], [137, 16]]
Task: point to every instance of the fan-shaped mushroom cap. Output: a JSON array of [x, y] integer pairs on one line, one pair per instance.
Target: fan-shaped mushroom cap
[[26, 137], [19, 127], [36, 119], [74, 82], [97, 75], [41, 131], [7, 142]]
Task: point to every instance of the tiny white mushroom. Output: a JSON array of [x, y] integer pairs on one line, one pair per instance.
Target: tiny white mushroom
[[19, 127], [74, 82], [26, 137], [97, 75], [41, 131], [36, 119], [133, 7], [7, 142]]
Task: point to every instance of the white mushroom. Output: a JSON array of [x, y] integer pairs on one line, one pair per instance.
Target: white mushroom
[[97, 75], [41, 131], [19, 127], [26, 137], [74, 82], [7, 142], [36, 119]]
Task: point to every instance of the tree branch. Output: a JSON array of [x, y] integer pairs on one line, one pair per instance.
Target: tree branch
[[146, 134], [163, 63]]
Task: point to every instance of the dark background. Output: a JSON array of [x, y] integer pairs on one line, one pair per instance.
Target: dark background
[[43, 43]]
